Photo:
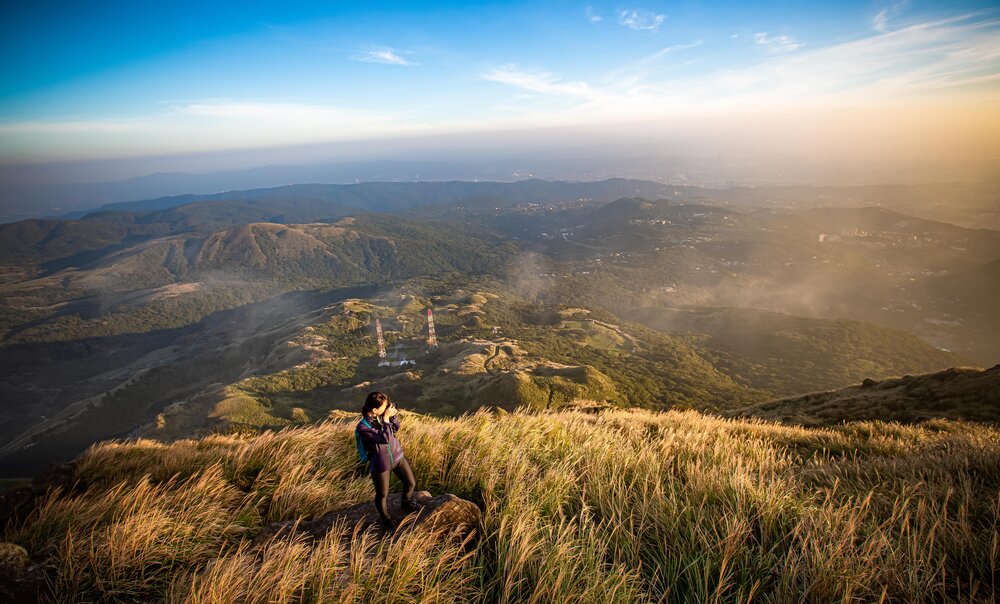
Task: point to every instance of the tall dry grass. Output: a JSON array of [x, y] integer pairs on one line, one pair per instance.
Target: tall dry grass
[[620, 506]]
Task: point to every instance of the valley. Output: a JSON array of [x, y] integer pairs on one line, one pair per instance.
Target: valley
[[192, 319]]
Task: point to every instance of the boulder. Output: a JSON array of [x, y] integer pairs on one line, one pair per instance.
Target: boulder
[[17, 503], [57, 475], [452, 515], [20, 579]]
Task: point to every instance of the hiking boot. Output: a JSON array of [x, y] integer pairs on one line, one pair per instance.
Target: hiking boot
[[411, 504], [387, 526]]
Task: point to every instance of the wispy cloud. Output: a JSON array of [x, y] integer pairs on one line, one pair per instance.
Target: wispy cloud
[[285, 111], [633, 73], [881, 19], [896, 65], [776, 44], [384, 55], [641, 20], [542, 82], [656, 56], [926, 56], [592, 16]]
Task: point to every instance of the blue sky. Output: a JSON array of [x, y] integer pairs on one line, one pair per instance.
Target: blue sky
[[102, 79]]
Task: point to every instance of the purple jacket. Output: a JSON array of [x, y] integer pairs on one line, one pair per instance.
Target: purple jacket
[[380, 443]]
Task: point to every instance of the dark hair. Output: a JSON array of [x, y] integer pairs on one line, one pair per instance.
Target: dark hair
[[374, 401]]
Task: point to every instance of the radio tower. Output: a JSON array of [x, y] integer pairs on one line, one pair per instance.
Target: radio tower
[[381, 343], [431, 338]]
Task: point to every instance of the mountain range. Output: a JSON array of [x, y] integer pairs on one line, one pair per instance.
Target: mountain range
[[253, 309]]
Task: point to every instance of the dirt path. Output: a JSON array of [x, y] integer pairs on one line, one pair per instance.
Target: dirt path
[[486, 363]]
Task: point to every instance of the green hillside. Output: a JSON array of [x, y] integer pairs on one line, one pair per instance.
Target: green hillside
[[785, 354], [72, 242], [494, 350], [396, 196], [176, 280]]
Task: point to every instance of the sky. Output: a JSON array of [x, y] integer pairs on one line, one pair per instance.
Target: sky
[[848, 79]]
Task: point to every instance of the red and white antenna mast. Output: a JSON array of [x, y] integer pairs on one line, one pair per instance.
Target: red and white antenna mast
[[381, 342], [431, 337]]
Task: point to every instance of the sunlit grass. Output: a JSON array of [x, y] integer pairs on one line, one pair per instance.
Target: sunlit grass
[[619, 506]]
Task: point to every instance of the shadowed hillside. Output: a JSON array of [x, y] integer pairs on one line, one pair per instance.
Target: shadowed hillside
[[956, 393]]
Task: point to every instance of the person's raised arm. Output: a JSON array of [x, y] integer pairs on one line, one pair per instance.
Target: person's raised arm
[[372, 436]]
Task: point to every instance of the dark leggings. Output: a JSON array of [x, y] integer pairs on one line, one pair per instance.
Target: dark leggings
[[381, 480]]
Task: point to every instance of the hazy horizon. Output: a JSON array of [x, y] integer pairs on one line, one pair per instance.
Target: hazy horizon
[[884, 92]]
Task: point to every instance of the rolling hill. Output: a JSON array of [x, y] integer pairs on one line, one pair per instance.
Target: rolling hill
[[171, 281], [785, 354], [956, 394], [396, 196]]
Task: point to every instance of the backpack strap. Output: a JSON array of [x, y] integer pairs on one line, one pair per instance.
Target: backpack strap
[[357, 439]]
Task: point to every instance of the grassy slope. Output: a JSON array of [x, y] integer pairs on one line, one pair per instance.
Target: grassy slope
[[621, 506], [787, 354], [956, 393]]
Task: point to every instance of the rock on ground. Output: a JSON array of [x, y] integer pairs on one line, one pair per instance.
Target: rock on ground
[[456, 517], [20, 579], [17, 503]]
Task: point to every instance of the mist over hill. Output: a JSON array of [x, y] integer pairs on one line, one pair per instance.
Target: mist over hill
[[961, 195]]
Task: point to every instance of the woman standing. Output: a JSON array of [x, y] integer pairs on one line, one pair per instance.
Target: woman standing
[[377, 434]]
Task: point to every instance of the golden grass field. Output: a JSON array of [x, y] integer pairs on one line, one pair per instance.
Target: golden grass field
[[613, 506]]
